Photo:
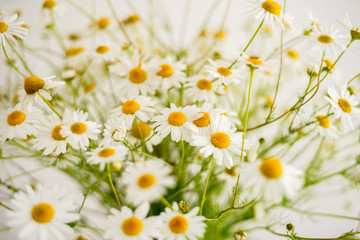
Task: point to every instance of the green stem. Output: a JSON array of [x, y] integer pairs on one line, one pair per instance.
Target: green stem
[[112, 185], [206, 185], [356, 76], [166, 202], [51, 107], [20, 57], [11, 62]]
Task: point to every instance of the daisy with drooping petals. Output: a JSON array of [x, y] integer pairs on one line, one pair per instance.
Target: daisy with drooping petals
[[270, 11], [177, 121], [147, 181], [18, 122], [220, 141], [78, 130], [171, 72], [138, 107], [325, 128], [326, 40], [128, 225], [42, 214], [107, 154], [343, 104], [141, 131], [272, 179], [354, 31], [223, 75], [176, 225], [10, 29], [115, 131], [199, 88]]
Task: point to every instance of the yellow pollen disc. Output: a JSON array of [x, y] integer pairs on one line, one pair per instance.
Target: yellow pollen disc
[[3, 27], [137, 75], [146, 180], [204, 84], [56, 133], [74, 51], [328, 63], [131, 19], [132, 226], [43, 213], [145, 130], [224, 71], [220, 35], [166, 71], [130, 107], [293, 54], [78, 128], [271, 168], [102, 49], [176, 118], [16, 118], [220, 140], [254, 61], [272, 7], [323, 121], [231, 172], [89, 88], [49, 4], [325, 39], [106, 152], [344, 105], [33, 84], [203, 121], [178, 224], [103, 22]]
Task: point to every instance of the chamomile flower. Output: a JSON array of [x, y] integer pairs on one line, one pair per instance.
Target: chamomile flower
[[252, 61], [177, 121], [178, 226], [325, 39], [200, 88], [343, 104], [103, 53], [18, 122], [141, 131], [128, 225], [147, 181], [36, 87], [138, 107], [42, 214], [271, 179], [115, 131], [107, 154], [270, 12], [325, 128], [223, 75], [49, 137], [209, 113], [354, 31], [9, 29], [78, 130], [171, 72], [220, 141]]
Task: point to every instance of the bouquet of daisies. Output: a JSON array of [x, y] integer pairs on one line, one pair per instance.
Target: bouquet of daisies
[[111, 132]]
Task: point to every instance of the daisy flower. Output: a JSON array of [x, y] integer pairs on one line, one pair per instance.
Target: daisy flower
[[103, 53], [115, 131], [270, 12], [252, 61], [107, 154], [42, 214], [272, 179], [176, 225], [223, 75], [220, 141], [343, 104], [354, 31], [18, 122], [172, 73], [209, 113], [147, 181], [199, 88], [326, 40], [78, 130], [324, 128], [9, 29], [133, 107], [35, 87], [177, 121], [143, 132], [49, 137]]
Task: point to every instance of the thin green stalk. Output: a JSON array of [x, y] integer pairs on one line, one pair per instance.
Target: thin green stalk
[[11, 62], [112, 185], [206, 186], [182, 162], [166, 202], [352, 79], [51, 107], [20, 57]]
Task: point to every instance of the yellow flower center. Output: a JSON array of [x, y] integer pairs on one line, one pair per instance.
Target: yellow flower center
[[131, 19], [130, 107], [220, 34], [42, 213], [293, 54], [3, 27], [203, 121], [137, 75], [325, 39], [220, 140], [145, 130], [146, 180], [254, 61], [178, 224], [323, 121], [102, 49], [33, 84], [49, 4], [224, 71], [89, 88], [166, 71], [78, 128], [272, 7], [106, 152], [103, 22], [56, 133], [176, 118], [16, 118], [271, 168], [204, 84], [74, 51], [132, 226], [230, 171], [328, 63], [344, 105]]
